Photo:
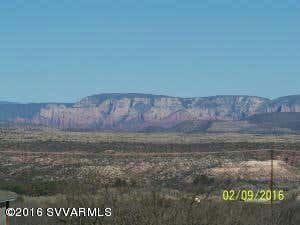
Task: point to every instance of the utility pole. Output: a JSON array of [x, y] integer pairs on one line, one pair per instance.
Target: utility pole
[[272, 186]]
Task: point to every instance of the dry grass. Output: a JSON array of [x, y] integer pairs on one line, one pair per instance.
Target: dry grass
[[20, 134]]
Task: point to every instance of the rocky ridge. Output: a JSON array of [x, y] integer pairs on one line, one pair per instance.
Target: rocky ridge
[[141, 111]]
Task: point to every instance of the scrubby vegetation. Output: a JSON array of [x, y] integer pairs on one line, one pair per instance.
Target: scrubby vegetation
[[135, 207], [148, 179]]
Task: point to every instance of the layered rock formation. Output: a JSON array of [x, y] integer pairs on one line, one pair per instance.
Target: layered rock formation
[[140, 111]]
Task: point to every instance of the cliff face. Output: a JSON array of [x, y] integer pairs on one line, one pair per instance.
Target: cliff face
[[283, 104], [140, 111], [136, 111]]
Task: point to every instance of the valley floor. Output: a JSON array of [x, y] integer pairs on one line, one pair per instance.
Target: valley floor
[[151, 178]]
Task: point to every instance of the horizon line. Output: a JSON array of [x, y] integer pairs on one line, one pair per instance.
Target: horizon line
[[144, 94]]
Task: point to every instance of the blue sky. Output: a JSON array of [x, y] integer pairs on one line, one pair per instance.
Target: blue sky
[[63, 50]]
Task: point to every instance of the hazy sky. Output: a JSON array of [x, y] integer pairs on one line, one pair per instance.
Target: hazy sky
[[63, 50]]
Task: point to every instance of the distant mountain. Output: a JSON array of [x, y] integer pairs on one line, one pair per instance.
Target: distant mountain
[[4, 102], [16, 112], [289, 120], [284, 104], [139, 111], [19, 112], [146, 112]]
